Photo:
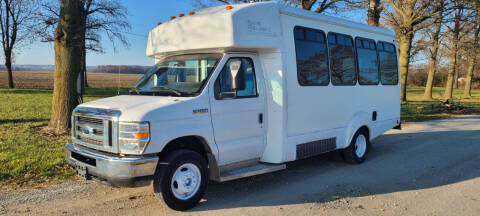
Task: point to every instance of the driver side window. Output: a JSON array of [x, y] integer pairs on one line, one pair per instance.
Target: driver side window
[[243, 85]]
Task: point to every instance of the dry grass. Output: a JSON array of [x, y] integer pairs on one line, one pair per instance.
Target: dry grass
[[44, 80]]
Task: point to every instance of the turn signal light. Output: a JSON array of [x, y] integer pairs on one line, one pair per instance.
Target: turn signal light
[[191, 13], [142, 135], [229, 7], [172, 17]]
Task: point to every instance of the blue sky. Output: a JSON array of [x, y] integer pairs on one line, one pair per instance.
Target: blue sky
[[143, 15]]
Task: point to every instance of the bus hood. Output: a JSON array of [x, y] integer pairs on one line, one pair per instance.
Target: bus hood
[[140, 108]]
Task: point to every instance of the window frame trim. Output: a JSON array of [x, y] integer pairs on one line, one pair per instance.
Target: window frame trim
[[215, 94], [354, 58], [296, 54], [396, 63], [378, 61]]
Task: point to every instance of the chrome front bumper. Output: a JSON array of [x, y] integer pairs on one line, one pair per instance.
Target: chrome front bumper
[[118, 171]]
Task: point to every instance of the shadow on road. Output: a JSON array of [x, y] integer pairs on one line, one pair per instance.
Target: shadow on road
[[397, 162]]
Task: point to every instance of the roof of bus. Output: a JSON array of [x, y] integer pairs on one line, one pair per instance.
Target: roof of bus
[[250, 25], [287, 10]]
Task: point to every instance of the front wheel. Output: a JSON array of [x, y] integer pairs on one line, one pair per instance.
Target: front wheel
[[181, 181], [356, 152]]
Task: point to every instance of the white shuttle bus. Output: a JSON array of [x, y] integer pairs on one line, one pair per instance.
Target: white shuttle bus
[[238, 91]]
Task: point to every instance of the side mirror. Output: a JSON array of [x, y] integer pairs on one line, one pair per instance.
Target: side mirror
[[237, 74]]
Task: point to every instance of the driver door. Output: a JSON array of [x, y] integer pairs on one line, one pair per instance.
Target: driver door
[[237, 114]]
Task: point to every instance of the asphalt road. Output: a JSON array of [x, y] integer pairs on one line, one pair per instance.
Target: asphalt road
[[428, 168]]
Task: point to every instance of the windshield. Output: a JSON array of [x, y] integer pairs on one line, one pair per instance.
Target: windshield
[[182, 75]]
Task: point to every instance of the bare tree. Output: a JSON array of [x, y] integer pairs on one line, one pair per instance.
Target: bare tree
[[318, 6], [406, 18], [108, 17], [455, 77], [435, 35], [455, 30], [374, 11], [473, 46], [17, 20], [69, 40]]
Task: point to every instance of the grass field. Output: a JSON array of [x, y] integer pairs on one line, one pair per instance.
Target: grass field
[[418, 110], [27, 156], [44, 80]]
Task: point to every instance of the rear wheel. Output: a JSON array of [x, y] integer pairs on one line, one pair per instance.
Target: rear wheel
[[357, 151], [181, 181]]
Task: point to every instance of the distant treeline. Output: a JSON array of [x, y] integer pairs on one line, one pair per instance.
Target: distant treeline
[[123, 69], [30, 67]]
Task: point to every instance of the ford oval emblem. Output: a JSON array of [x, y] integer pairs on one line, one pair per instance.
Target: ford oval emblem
[[87, 130]]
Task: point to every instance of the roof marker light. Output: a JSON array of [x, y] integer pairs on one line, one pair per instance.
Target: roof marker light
[[181, 15], [191, 13], [159, 23], [172, 17], [229, 7]]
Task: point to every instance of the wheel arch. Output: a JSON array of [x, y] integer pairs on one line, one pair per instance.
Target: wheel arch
[[194, 143], [358, 121]]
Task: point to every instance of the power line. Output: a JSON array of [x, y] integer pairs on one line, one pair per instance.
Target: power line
[[138, 35]]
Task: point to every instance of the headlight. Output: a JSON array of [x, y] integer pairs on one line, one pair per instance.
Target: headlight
[[133, 137]]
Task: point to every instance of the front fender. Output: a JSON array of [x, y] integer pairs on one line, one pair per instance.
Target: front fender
[[165, 131]]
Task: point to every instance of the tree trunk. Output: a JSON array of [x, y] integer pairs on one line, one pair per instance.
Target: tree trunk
[[69, 37], [473, 55], [451, 70], [404, 62], [8, 65], [468, 81], [453, 58], [432, 67], [374, 11], [455, 78]]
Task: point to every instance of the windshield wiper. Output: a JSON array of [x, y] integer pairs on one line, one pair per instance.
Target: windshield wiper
[[134, 90], [169, 89]]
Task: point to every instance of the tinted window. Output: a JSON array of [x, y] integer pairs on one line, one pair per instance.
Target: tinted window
[[223, 83], [311, 49], [367, 62], [342, 59], [388, 63]]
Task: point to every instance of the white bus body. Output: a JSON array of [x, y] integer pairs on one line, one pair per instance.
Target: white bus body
[[275, 111]]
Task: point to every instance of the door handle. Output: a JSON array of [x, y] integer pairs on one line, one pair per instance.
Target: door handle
[[260, 118]]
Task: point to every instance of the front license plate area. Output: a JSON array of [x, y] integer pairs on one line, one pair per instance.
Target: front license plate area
[[81, 170]]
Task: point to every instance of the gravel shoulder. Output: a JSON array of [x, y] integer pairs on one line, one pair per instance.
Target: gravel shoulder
[[428, 168]]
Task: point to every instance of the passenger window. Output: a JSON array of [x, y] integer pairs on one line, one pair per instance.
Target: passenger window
[[243, 85], [388, 63], [342, 60], [367, 62], [312, 57]]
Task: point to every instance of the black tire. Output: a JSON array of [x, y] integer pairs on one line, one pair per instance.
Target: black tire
[[350, 155], [162, 182]]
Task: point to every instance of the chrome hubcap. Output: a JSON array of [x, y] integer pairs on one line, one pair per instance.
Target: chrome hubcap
[[360, 145], [186, 181]]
